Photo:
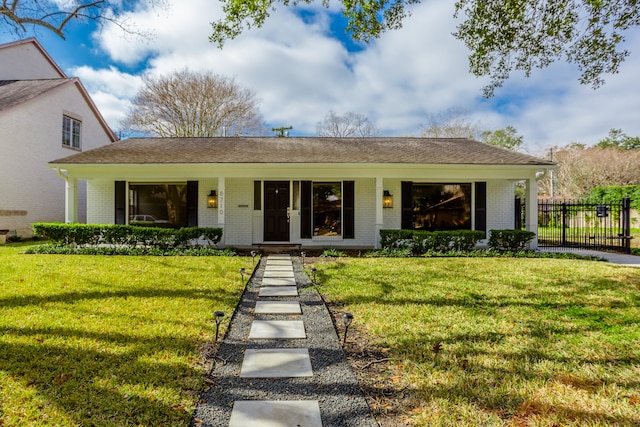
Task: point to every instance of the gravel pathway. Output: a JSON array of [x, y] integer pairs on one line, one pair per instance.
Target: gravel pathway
[[333, 383]]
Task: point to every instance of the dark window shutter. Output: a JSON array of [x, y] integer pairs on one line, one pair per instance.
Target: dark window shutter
[[121, 202], [192, 203], [481, 207], [407, 205], [348, 214], [305, 209]]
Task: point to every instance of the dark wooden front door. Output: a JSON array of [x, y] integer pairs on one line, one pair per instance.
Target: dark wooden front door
[[276, 211]]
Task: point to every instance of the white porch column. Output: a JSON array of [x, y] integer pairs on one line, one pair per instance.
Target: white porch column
[[531, 213], [379, 211], [70, 197], [221, 208]]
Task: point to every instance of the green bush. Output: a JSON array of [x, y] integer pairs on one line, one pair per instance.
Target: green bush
[[421, 242], [335, 253], [131, 236], [509, 240]]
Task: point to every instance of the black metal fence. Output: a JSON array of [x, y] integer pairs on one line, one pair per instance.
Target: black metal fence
[[586, 225]]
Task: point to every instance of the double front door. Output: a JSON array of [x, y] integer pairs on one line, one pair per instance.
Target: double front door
[[276, 211]]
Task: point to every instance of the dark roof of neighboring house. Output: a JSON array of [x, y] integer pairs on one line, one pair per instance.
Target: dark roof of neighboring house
[[14, 92], [228, 150]]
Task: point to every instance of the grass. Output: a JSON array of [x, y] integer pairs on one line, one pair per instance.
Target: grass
[[498, 342], [107, 341]]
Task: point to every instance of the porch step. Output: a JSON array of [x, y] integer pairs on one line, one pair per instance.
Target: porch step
[[279, 248]]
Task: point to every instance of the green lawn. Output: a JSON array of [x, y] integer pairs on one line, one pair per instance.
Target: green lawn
[[107, 341], [492, 342]]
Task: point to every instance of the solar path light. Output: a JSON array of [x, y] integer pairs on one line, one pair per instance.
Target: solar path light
[[347, 318], [313, 272], [217, 317], [302, 255], [253, 257], [242, 271]]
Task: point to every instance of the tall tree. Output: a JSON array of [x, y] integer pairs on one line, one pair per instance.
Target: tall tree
[[502, 35], [187, 103], [620, 140], [452, 123], [506, 138], [19, 15], [348, 125]]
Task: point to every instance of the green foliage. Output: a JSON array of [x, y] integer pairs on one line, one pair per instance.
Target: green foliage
[[125, 235], [615, 193], [126, 250], [509, 240], [389, 253], [505, 138], [618, 139], [521, 341], [506, 36], [335, 253], [421, 242], [108, 341]]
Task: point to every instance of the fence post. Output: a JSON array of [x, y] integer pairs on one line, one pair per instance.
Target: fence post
[[564, 224], [626, 224]]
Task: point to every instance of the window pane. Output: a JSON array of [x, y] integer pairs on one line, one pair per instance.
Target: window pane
[[327, 208], [158, 205], [66, 131], [441, 206], [76, 133]]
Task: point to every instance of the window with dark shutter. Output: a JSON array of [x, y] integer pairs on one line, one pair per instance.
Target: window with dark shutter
[[305, 210], [192, 203], [348, 208], [481, 207], [120, 202]]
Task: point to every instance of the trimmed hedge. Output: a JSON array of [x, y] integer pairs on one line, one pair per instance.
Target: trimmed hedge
[[125, 235], [510, 240], [422, 242]]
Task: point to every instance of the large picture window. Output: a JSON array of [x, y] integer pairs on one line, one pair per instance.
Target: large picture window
[[158, 205], [441, 206], [327, 208]]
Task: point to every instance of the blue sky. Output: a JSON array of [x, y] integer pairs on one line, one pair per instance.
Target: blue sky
[[301, 66]]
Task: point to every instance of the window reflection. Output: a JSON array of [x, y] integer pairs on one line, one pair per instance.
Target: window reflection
[[441, 206], [327, 208], [158, 205]]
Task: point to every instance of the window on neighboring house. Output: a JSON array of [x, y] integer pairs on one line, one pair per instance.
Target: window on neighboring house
[[327, 208], [158, 205], [441, 206], [71, 132]]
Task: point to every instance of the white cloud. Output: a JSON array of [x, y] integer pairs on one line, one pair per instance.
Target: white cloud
[[301, 72]]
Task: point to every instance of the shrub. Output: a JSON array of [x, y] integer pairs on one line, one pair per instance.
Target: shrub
[[333, 253], [421, 242], [126, 235], [509, 240]]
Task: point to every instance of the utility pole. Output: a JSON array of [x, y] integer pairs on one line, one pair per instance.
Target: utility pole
[[281, 131]]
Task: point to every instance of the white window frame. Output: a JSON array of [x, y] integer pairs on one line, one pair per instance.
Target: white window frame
[[71, 132]]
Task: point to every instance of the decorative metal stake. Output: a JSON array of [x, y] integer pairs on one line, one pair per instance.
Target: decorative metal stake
[[218, 316], [347, 318]]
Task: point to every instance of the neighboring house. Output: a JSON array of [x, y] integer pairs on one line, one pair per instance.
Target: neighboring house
[[313, 192], [44, 115]]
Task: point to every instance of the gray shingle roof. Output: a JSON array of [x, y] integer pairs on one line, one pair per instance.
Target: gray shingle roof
[[14, 92], [301, 150]]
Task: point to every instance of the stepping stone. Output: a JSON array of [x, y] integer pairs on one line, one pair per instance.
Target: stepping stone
[[278, 268], [279, 256], [278, 291], [276, 363], [279, 262], [278, 281], [268, 273], [272, 413], [277, 329], [278, 307]]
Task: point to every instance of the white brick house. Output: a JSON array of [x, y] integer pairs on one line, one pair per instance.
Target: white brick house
[[312, 192], [44, 115]]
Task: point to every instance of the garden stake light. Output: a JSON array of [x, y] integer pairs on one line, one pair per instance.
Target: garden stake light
[[302, 255], [218, 316], [313, 272], [242, 270], [253, 257], [347, 318]]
